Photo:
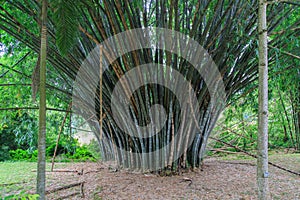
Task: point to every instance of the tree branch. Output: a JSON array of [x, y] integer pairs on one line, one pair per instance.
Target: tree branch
[[285, 52]]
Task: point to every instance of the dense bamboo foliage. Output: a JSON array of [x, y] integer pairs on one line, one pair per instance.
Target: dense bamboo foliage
[[227, 29]]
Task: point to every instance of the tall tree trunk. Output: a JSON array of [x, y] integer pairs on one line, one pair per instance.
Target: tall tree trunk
[[41, 175], [262, 139]]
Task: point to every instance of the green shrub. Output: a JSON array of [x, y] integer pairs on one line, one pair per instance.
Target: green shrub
[[21, 154], [65, 146], [50, 149], [94, 148], [34, 155], [82, 154]]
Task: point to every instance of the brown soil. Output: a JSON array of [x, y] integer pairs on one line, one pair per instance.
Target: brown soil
[[220, 179]]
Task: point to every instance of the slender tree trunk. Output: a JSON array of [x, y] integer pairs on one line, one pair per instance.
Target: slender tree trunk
[[262, 139], [41, 175]]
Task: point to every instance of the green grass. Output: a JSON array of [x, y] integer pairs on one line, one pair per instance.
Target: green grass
[[274, 156], [12, 172], [238, 156], [16, 177]]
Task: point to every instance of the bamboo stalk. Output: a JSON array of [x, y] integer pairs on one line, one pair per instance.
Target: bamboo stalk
[[58, 137], [100, 90]]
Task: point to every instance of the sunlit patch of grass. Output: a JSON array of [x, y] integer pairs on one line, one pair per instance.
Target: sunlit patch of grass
[[15, 172], [16, 177], [237, 156]]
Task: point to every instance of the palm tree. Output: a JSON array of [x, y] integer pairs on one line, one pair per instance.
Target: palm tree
[[41, 175], [64, 43]]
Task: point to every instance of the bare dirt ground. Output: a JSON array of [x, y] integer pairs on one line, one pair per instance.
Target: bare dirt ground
[[220, 179]]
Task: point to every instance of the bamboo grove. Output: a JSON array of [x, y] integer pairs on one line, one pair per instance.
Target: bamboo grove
[[227, 29]]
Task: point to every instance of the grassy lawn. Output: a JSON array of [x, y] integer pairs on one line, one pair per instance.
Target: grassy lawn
[[12, 172], [16, 177], [292, 159]]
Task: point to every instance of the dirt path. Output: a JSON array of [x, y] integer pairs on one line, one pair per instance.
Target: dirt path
[[220, 179]]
